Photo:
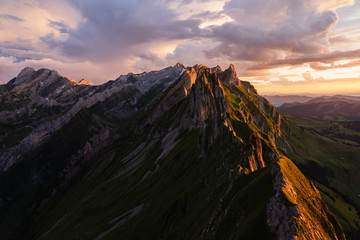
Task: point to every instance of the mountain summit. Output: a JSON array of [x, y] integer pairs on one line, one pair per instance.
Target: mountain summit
[[180, 153]]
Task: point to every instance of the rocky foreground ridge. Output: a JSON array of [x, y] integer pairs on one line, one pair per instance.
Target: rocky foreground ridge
[[180, 153]]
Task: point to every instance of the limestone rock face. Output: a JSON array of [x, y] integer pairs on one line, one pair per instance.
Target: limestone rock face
[[179, 65], [204, 97], [256, 160], [25, 74], [39, 95], [229, 76]]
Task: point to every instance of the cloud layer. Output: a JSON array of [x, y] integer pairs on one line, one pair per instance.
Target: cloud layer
[[112, 37]]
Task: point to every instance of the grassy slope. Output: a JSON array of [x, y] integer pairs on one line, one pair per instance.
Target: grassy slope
[[179, 199], [345, 132], [240, 100], [333, 166], [345, 212], [299, 191], [17, 183], [181, 196], [26, 184]]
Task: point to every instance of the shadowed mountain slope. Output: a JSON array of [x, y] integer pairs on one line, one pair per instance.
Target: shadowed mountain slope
[[180, 153]]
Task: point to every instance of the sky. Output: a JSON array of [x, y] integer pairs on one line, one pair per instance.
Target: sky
[[280, 46]]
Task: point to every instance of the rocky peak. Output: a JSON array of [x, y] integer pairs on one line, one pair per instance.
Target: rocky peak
[[179, 65], [25, 74], [229, 76], [84, 82], [81, 82], [232, 67], [30, 75], [217, 69]]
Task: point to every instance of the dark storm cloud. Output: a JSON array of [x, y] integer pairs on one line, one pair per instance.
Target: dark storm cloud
[[113, 28], [11, 17]]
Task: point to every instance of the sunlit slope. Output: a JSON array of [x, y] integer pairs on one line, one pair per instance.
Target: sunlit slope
[[334, 166]]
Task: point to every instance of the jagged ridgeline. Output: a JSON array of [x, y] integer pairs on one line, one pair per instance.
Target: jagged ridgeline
[[180, 153]]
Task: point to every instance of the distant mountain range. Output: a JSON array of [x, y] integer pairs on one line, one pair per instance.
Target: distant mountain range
[[279, 100], [337, 108], [180, 153]]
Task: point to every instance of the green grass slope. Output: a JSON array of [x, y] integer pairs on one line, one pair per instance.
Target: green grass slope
[[333, 165], [180, 196]]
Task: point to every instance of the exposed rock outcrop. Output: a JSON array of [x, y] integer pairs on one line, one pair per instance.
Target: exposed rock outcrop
[[25, 74], [229, 76], [205, 97], [36, 94]]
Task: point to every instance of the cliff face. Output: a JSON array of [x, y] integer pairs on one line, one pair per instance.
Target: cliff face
[[178, 153], [206, 98]]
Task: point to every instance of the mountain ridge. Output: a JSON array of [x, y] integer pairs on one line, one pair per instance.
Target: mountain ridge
[[194, 149]]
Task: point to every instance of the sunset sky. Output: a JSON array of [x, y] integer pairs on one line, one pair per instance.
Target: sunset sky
[[280, 46]]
